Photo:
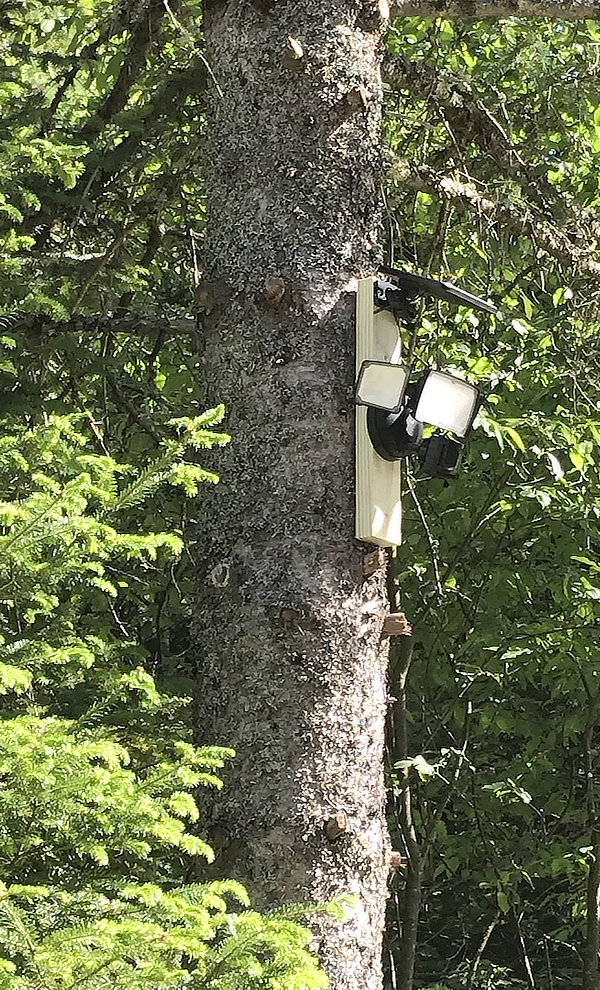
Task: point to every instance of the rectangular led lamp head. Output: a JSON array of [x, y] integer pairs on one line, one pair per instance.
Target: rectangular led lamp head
[[382, 385], [447, 402]]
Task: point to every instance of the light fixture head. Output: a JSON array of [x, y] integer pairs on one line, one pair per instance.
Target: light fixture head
[[398, 409], [382, 385], [394, 435], [447, 402]]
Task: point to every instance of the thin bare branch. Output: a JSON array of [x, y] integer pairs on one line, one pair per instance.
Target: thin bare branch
[[517, 219], [470, 120], [565, 10]]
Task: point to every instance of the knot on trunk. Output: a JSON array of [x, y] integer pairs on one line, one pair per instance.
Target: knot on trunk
[[336, 826], [274, 289]]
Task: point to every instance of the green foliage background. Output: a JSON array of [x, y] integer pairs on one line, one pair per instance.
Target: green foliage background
[[499, 570]]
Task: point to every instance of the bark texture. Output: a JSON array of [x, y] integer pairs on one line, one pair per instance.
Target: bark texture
[[291, 668]]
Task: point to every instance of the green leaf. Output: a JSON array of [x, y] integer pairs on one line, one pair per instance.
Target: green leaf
[[502, 901]]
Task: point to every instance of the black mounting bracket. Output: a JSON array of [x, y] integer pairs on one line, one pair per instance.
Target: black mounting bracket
[[391, 296]]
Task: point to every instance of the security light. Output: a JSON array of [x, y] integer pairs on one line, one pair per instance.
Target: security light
[[381, 385], [435, 399], [428, 418]]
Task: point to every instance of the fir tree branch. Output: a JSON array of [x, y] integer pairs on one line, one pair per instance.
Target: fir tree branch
[[456, 99], [133, 324], [142, 37], [30, 525], [462, 109]]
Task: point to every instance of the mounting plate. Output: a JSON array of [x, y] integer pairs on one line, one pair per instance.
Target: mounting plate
[[378, 506]]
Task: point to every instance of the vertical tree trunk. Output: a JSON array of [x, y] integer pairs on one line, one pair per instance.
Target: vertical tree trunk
[[291, 669]]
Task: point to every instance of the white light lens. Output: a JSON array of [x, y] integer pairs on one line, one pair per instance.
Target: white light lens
[[381, 385], [448, 403]]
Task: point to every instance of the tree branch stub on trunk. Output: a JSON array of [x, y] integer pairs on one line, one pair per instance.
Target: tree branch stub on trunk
[[291, 663]]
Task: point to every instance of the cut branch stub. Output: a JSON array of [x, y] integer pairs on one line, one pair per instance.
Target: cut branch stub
[[274, 290], [336, 826], [397, 861], [396, 624]]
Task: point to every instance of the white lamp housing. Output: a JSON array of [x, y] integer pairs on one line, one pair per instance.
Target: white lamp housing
[[382, 385], [446, 402]]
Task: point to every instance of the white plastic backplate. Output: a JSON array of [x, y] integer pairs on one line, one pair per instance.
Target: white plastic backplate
[[378, 506]]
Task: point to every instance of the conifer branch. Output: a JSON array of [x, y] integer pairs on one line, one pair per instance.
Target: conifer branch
[[142, 36], [460, 107]]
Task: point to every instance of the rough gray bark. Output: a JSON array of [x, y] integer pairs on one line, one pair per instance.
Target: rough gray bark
[[412, 896], [291, 668]]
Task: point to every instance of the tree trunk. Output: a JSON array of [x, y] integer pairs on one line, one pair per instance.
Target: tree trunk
[[291, 668], [415, 865]]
